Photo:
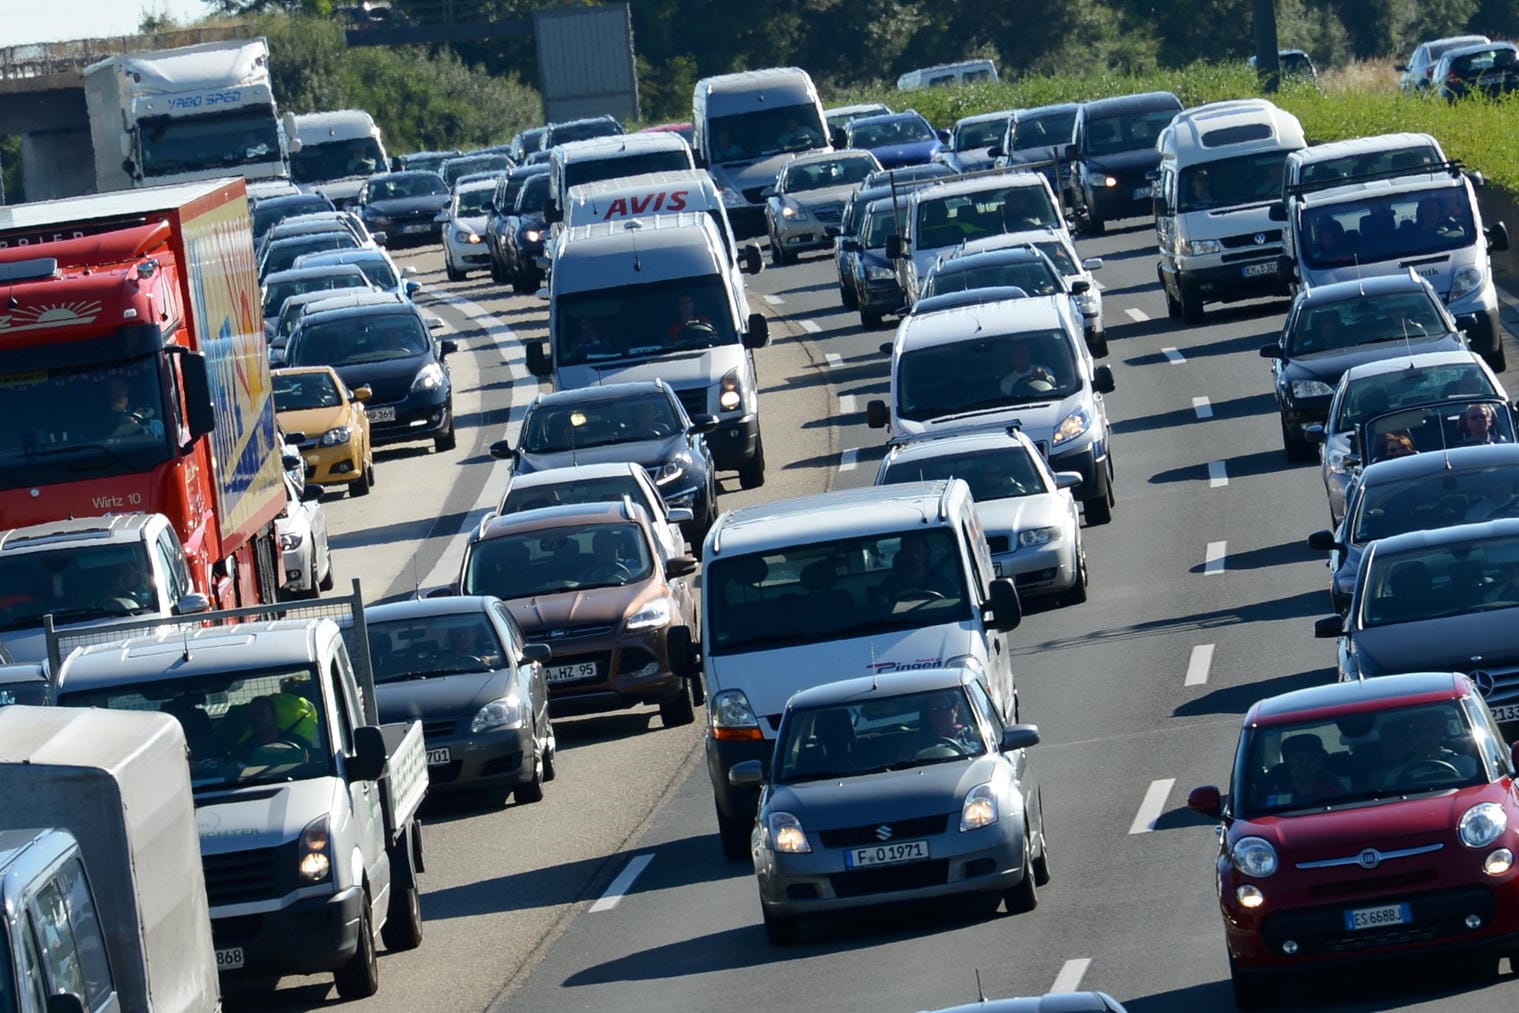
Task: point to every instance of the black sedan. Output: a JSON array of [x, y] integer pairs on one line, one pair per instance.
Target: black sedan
[[1334, 327], [522, 236], [643, 422], [461, 666], [381, 341], [502, 222], [403, 205]]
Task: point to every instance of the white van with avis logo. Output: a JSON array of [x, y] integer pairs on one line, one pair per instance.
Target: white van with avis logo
[[659, 193]]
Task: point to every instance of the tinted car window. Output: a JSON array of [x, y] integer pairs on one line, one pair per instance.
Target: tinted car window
[[968, 375], [1034, 277], [1131, 131], [551, 560], [1390, 316], [351, 340], [555, 428], [991, 474]]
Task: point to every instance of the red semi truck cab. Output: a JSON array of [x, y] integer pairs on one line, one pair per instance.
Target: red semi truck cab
[[134, 374]]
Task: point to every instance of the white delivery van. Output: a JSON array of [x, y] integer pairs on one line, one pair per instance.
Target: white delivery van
[[826, 587], [657, 298], [580, 162], [944, 74], [338, 150], [1019, 362], [1429, 222], [1220, 173], [746, 127]]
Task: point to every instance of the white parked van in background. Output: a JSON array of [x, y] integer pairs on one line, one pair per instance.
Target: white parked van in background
[[658, 298], [833, 586], [945, 74], [338, 151], [1220, 173], [746, 127]]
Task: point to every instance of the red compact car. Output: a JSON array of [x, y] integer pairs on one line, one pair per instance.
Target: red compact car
[[1366, 820]]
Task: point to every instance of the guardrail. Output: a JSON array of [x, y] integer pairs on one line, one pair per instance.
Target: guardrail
[[45, 59]]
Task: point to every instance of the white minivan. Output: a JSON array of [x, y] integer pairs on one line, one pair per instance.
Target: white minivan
[[1220, 173], [658, 298], [833, 586]]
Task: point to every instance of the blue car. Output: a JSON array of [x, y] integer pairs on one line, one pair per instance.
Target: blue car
[[896, 139]]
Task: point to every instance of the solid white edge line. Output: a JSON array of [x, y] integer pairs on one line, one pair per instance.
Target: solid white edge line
[[833, 360], [1218, 476], [1152, 806], [1199, 664], [1213, 558], [1203, 409], [846, 404], [773, 300], [849, 459], [1071, 973], [1136, 315], [810, 326], [622, 883], [1173, 355]]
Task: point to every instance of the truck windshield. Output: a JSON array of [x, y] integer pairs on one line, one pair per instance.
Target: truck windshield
[[642, 321], [854, 587], [247, 136], [1230, 182], [259, 727], [1386, 226], [981, 374], [329, 160], [70, 423], [760, 133], [76, 584]]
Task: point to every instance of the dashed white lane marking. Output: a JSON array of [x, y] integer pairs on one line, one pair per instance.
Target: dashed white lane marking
[[1203, 409], [774, 300], [622, 883], [1138, 316], [849, 459], [834, 360], [1153, 805], [1217, 476], [1198, 665], [1213, 558], [1175, 357], [810, 326], [846, 404], [1069, 978]]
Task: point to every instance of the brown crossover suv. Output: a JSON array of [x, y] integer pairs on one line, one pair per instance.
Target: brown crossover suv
[[591, 581]]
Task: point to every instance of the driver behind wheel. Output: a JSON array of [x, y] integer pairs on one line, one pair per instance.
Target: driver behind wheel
[[1023, 373], [1415, 748], [915, 573], [944, 722], [606, 566], [686, 313], [268, 740]]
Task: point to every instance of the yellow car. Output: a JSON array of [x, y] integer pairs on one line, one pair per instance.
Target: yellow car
[[326, 421]]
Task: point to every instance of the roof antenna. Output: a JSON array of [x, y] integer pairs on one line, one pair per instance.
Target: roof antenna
[[874, 672], [184, 632], [980, 992]]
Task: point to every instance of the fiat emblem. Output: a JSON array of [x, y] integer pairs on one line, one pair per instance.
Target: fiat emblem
[[1260, 239], [1369, 859]]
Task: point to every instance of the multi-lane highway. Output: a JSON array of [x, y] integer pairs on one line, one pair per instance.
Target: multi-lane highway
[[612, 893]]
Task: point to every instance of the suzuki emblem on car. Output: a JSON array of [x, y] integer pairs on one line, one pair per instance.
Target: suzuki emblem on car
[[883, 832]]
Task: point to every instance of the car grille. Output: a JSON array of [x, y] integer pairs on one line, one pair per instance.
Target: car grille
[[1270, 237], [755, 194], [1375, 884], [693, 400], [1258, 253], [1321, 930], [1499, 685], [444, 773], [848, 837], [890, 878], [999, 544], [829, 214], [238, 877], [572, 632], [1035, 578], [439, 729]]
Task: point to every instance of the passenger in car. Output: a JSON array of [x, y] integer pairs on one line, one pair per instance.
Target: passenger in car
[[1301, 777]]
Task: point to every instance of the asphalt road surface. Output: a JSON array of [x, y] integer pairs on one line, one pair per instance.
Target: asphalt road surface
[[612, 893]]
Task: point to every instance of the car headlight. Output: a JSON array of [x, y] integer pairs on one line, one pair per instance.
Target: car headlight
[[1086, 302], [1336, 462], [336, 436], [376, 219], [466, 236], [1464, 282], [673, 468], [1482, 824], [1072, 426], [532, 235], [1200, 247], [732, 198], [979, 808], [313, 863], [1311, 388], [430, 377], [730, 395], [290, 540], [786, 834], [1038, 536], [655, 613], [1254, 856], [795, 212], [1109, 181], [503, 712], [875, 273]]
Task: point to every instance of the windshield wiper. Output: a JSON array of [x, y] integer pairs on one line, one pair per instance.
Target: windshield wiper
[[823, 775]]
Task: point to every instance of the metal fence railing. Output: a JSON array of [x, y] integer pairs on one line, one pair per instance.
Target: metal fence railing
[[44, 59]]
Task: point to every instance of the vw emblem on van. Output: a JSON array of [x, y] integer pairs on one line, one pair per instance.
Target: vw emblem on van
[[1369, 859], [1485, 681], [1260, 239]]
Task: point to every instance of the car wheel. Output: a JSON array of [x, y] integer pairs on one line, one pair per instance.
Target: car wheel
[[360, 486], [1097, 510], [550, 754], [327, 578], [847, 297], [1095, 225], [733, 834], [446, 441], [1191, 303], [530, 791], [403, 921], [751, 474], [359, 978], [1173, 305], [871, 319], [451, 272], [676, 710], [1024, 897], [782, 930], [1295, 445], [523, 283], [1077, 595], [1251, 990], [1098, 346], [498, 274]]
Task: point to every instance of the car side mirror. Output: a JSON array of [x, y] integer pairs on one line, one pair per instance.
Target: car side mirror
[[679, 566], [1019, 737], [1102, 380], [502, 450], [551, 213], [412, 288], [679, 515], [290, 461], [1273, 352], [1162, 206], [311, 493], [368, 760], [750, 261], [995, 151], [1324, 541], [876, 415], [1003, 605], [1067, 479], [1071, 153], [1497, 237], [435, 323], [1329, 627], [1092, 264], [758, 334], [893, 247], [447, 346], [1080, 285], [943, 135], [538, 362], [701, 424], [192, 604], [768, 191], [379, 237], [409, 271], [849, 245], [441, 217], [1277, 213], [746, 774], [535, 652], [1314, 432], [1206, 800], [363, 393], [1468, 322]]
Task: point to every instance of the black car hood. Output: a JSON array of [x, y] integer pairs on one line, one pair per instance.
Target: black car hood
[[389, 380], [438, 696], [1331, 365], [1459, 643], [433, 202], [646, 453], [1123, 161]]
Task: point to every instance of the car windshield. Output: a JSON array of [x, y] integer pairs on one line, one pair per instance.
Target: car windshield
[[1376, 393], [984, 374], [553, 560], [280, 255], [1361, 757], [1365, 319], [606, 325], [879, 227], [1451, 496], [884, 733], [453, 168], [77, 584], [1231, 182], [266, 726], [1472, 65], [1375, 228], [373, 263], [555, 428], [1432, 582], [267, 214], [581, 490], [760, 133], [318, 162], [472, 203], [533, 195], [426, 647], [978, 134], [581, 130], [949, 221], [355, 338], [1060, 255], [799, 178], [1036, 277], [299, 391], [991, 474], [277, 292], [404, 185], [1044, 131], [823, 591], [902, 130], [1129, 131], [1436, 427]]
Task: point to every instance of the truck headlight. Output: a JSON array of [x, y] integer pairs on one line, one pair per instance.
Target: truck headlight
[[1254, 856], [504, 712], [1072, 426], [314, 863], [875, 273], [430, 377], [1464, 282], [979, 808], [336, 436], [1482, 824], [1037, 536], [1200, 247], [656, 613], [730, 396], [732, 198], [1311, 388], [786, 834], [730, 716]]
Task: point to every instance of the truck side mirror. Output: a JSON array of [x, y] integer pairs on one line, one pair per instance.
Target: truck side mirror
[[758, 334], [1277, 213], [1004, 608], [551, 213], [849, 245], [893, 247], [198, 407], [538, 362], [1162, 206], [875, 414], [368, 760], [65, 1002]]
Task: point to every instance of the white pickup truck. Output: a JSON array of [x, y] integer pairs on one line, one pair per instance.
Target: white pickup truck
[[306, 805]]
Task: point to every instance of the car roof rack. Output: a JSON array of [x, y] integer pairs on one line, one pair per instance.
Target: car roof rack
[[1450, 168]]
